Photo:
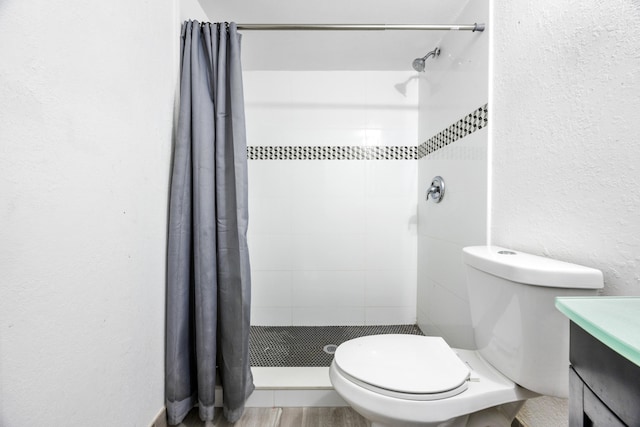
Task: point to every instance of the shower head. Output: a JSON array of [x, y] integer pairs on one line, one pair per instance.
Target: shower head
[[418, 63]]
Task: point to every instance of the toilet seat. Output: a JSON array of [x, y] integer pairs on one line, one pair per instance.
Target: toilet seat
[[411, 367]]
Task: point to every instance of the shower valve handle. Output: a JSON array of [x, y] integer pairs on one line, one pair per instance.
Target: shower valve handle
[[436, 191]]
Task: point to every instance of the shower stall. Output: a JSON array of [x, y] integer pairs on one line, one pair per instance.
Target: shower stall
[[344, 135], [332, 199], [333, 185]]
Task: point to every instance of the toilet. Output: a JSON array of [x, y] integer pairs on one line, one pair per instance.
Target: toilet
[[522, 349]]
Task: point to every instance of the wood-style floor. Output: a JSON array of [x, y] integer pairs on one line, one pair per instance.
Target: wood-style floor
[[284, 417]]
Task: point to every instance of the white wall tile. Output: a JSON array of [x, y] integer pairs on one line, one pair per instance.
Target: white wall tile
[[329, 87], [328, 251], [450, 314], [457, 81], [443, 264], [464, 224], [271, 288], [307, 178], [271, 316], [344, 178], [455, 86], [327, 100], [391, 213], [270, 251], [390, 288], [272, 134], [265, 117], [328, 115], [391, 315], [427, 326], [423, 289], [383, 88], [265, 87], [395, 178], [390, 250], [324, 214], [331, 108], [393, 137], [326, 222], [462, 215], [328, 289], [387, 106], [270, 214], [464, 162], [273, 178], [327, 178], [398, 117], [332, 316]]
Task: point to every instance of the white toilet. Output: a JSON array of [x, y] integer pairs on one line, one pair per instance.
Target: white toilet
[[522, 340]]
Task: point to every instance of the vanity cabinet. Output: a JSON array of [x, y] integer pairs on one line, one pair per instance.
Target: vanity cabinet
[[604, 352], [604, 387]]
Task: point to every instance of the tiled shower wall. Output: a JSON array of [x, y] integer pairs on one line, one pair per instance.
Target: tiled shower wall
[[455, 86], [333, 240]]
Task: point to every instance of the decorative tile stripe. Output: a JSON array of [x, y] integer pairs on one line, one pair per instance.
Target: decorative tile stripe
[[463, 127], [331, 153]]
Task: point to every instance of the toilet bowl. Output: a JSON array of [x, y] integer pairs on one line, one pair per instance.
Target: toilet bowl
[[409, 380]]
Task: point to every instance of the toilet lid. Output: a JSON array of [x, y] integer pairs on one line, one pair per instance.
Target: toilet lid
[[404, 364]]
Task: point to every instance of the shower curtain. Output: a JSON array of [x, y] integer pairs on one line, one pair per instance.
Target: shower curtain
[[208, 276]]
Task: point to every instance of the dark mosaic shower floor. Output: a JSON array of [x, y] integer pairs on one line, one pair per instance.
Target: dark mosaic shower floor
[[303, 345]]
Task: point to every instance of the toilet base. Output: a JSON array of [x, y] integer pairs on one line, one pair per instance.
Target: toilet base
[[456, 422], [500, 416]]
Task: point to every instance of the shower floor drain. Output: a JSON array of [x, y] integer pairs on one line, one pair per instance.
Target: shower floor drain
[[330, 348]]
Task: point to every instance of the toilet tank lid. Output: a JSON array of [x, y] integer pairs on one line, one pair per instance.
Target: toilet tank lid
[[531, 269]]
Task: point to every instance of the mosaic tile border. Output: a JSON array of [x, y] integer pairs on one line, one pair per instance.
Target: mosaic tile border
[[331, 153], [472, 122]]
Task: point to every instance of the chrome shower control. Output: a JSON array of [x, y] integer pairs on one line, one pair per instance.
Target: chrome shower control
[[436, 191]]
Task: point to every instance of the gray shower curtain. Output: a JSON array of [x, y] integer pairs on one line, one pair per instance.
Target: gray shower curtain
[[208, 283]]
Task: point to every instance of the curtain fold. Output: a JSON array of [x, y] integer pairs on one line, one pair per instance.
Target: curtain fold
[[208, 274]]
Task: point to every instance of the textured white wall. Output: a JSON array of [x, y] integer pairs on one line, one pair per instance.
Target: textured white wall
[[565, 120], [86, 92], [453, 85], [333, 242]]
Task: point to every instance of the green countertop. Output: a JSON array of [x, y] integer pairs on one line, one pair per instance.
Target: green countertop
[[613, 320]]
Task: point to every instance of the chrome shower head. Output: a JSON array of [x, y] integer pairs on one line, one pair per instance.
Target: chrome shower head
[[418, 63]]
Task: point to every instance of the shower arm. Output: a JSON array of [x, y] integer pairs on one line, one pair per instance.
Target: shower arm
[[435, 52]]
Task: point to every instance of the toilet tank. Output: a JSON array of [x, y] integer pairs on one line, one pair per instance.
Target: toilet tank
[[516, 325]]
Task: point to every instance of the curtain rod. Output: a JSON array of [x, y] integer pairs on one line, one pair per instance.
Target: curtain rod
[[359, 27]]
